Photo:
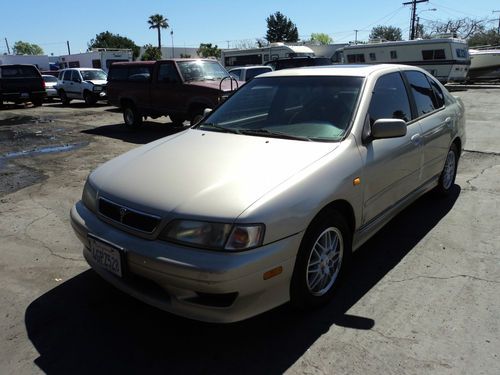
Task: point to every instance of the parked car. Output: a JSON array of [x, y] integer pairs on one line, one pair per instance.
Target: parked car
[[265, 199], [20, 83], [50, 86], [246, 73], [297, 62], [88, 84], [178, 88]]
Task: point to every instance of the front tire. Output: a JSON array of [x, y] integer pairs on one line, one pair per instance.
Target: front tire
[[131, 116], [64, 97], [323, 256], [89, 98], [447, 177]]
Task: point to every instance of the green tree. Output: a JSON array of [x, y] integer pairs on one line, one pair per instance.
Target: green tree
[[185, 56], [158, 22], [25, 48], [207, 50], [151, 53], [281, 29], [386, 32], [321, 38], [110, 40], [485, 38]]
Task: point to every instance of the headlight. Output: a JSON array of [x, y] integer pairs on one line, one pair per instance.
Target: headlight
[[97, 88], [214, 235], [89, 196]]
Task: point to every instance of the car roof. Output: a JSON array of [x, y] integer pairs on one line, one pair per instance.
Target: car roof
[[337, 70], [252, 67], [152, 62], [81, 68]]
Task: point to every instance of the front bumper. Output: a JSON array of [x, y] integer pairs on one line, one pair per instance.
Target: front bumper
[[195, 283]]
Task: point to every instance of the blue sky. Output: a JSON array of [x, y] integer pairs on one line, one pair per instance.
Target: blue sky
[[220, 22]]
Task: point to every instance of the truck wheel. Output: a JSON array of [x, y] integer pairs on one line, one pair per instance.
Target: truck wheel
[[131, 116], [89, 98], [64, 98]]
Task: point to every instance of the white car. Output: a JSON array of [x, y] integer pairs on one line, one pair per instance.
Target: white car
[[246, 73], [265, 199], [88, 84], [50, 86]]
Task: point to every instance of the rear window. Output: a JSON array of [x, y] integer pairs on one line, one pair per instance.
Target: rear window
[[19, 72], [49, 79], [128, 73]]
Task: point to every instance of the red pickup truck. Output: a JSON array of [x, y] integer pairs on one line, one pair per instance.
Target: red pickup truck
[[178, 88]]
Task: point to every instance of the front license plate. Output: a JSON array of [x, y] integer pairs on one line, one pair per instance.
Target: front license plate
[[106, 255]]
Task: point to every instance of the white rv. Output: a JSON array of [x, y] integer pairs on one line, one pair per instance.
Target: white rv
[[100, 58], [40, 61], [233, 58], [447, 59]]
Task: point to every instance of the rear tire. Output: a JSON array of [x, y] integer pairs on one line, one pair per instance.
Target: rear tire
[[131, 116], [447, 177], [64, 97], [323, 257]]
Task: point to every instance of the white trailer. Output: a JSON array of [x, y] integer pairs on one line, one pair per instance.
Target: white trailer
[[233, 58], [40, 61], [447, 59], [100, 58]]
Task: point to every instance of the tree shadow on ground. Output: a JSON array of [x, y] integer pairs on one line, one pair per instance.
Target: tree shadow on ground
[[86, 326]]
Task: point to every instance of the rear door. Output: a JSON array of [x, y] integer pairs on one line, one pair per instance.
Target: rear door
[[72, 84], [392, 166], [436, 121]]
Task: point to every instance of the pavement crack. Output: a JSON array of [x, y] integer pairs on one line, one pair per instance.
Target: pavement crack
[[445, 278], [477, 175], [483, 152]]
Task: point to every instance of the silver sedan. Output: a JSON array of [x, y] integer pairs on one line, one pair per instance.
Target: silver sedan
[[264, 201]]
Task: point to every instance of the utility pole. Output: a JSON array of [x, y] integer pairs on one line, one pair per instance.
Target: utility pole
[[413, 4], [67, 44], [356, 37], [494, 11], [7, 44]]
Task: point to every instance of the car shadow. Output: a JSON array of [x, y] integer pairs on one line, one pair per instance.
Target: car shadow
[[86, 326], [149, 131]]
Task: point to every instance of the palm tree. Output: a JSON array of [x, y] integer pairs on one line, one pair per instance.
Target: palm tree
[[157, 21]]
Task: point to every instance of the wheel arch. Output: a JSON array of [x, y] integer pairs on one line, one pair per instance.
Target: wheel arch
[[344, 208]]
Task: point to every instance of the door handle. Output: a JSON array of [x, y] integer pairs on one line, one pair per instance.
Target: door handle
[[416, 139], [448, 122]]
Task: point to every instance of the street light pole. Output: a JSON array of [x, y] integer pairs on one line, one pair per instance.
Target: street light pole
[[172, 35]]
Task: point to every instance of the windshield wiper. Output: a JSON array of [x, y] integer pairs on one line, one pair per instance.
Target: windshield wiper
[[221, 128], [273, 133]]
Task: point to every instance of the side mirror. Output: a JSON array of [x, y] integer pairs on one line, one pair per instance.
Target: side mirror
[[206, 112], [388, 128]]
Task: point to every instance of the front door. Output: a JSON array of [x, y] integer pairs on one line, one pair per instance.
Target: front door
[[392, 166]]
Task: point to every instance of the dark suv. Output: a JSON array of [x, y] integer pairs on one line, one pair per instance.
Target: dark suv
[[21, 83], [178, 88]]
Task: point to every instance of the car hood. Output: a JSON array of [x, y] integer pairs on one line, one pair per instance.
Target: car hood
[[204, 174], [226, 84], [97, 81]]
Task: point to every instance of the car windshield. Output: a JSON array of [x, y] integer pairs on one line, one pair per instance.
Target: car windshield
[[89, 75], [314, 108], [200, 70]]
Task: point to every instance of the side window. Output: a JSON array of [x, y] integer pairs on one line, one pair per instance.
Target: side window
[[168, 73], [389, 99], [394, 54], [67, 75], [138, 73], [118, 73], [438, 93], [422, 92], [373, 57], [75, 76]]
